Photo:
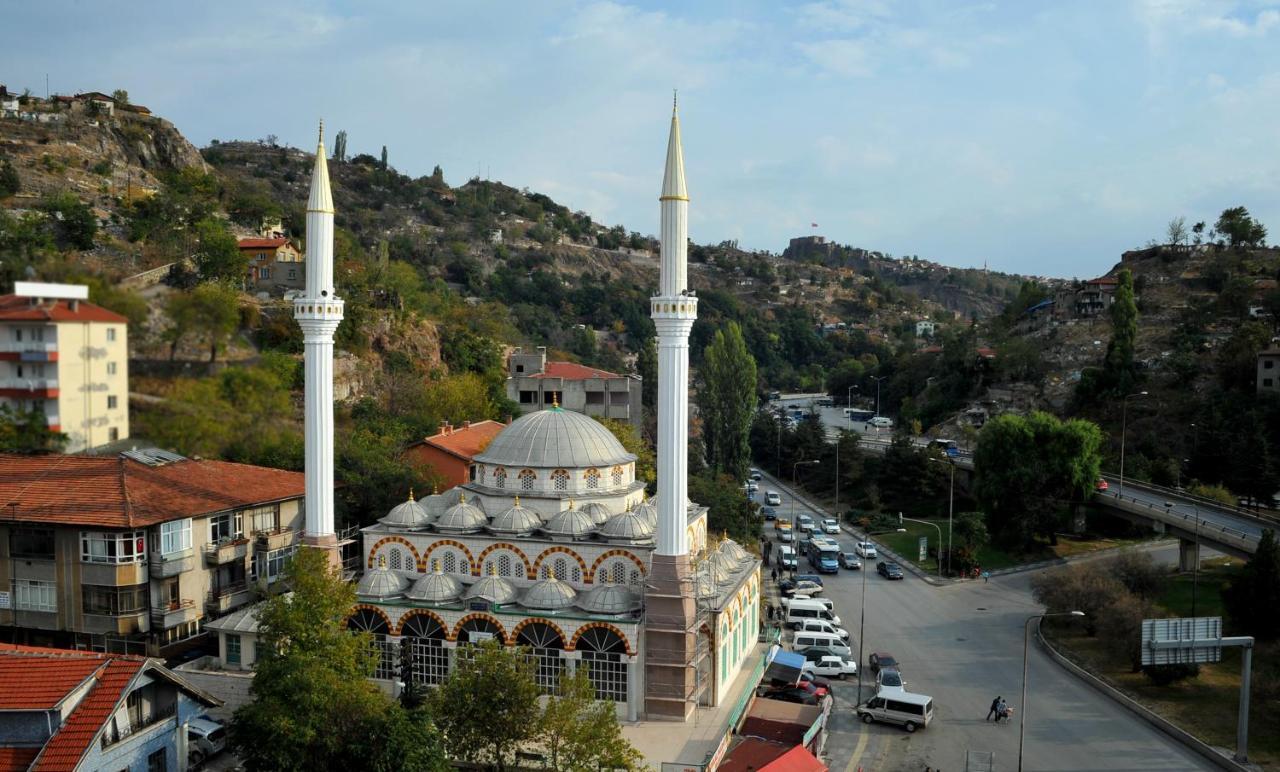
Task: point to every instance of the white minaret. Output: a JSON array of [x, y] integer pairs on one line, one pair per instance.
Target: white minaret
[[319, 312], [674, 311]]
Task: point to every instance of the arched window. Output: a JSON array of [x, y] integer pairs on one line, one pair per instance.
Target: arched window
[[479, 629], [504, 564], [527, 478], [604, 654], [544, 645], [560, 480], [455, 562], [561, 568], [617, 572], [592, 477], [482, 470], [428, 658], [617, 476], [367, 621], [397, 559], [500, 478]]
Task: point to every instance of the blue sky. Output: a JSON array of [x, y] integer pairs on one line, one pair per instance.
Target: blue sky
[[1040, 137]]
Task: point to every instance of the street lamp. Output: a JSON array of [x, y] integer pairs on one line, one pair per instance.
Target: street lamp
[[1195, 567], [862, 622], [1026, 637], [951, 512], [1124, 416], [795, 533], [877, 379], [926, 522]]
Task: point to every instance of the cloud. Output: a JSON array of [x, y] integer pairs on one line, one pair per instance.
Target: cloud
[[847, 58]]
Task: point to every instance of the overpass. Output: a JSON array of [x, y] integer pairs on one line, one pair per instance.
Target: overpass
[[1192, 519]]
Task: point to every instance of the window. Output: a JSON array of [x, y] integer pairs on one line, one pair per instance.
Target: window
[[111, 368], [175, 536], [552, 397], [35, 596], [617, 476], [527, 478], [397, 559], [114, 601], [528, 397], [1266, 383], [111, 335], [31, 543], [595, 397], [111, 402], [1268, 364], [225, 527], [113, 434], [271, 565], [108, 547], [264, 272], [233, 649], [500, 478], [158, 761], [263, 518], [293, 273], [592, 477], [560, 480]]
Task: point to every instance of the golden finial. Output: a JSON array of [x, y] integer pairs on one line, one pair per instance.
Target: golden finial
[[517, 501], [435, 489], [435, 566], [570, 503], [555, 399], [493, 570], [382, 561], [411, 493]]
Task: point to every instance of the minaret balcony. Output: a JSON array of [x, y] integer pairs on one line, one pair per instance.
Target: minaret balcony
[[322, 309]]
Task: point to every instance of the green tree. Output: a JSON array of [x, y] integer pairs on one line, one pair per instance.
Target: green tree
[[581, 733], [626, 433], [9, 182], [120, 96], [727, 401], [728, 509], [1253, 596], [1118, 364], [217, 256], [28, 432], [1031, 470], [1241, 229], [74, 224], [647, 367], [313, 706], [488, 705], [383, 162], [340, 146], [215, 313]]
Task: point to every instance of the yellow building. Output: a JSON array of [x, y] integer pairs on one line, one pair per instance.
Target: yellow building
[[68, 359]]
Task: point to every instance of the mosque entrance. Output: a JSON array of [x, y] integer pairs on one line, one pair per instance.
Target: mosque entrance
[[604, 653]]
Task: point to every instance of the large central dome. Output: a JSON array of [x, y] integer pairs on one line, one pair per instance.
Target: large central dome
[[555, 438]]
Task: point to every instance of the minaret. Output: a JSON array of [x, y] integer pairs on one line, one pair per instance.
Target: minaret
[[319, 312], [669, 605]]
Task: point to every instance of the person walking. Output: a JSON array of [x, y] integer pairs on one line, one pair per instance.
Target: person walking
[[774, 574], [995, 708], [986, 577]]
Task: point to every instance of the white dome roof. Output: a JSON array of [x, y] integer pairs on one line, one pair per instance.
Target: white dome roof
[[407, 514], [549, 594], [492, 588], [648, 511], [704, 584], [722, 567], [735, 551], [435, 587], [598, 512], [516, 520], [628, 526], [570, 522], [609, 598], [555, 438], [463, 517], [381, 582]]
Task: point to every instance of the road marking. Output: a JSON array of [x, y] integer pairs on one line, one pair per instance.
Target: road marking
[[858, 749]]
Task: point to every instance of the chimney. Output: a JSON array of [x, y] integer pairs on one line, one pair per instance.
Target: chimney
[[75, 305], [444, 426]]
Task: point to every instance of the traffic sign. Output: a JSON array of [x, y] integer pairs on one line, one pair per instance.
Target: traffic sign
[[1181, 641]]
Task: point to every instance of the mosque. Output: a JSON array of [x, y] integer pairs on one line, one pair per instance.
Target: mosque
[[553, 546]]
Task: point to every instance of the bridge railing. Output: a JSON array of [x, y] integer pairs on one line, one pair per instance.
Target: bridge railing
[[1208, 529], [1174, 494]]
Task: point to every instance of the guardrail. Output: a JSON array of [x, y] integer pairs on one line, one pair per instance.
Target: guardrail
[[1186, 496], [1208, 530]]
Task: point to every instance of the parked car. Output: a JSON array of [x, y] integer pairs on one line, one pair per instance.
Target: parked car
[[206, 738], [772, 498], [816, 579], [889, 679], [889, 570], [807, 588], [805, 693], [850, 560], [823, 626], [880, 660], [816, 653], [865, 550], [753, 486], [769, 513], [757, 475], [830, 525], [786, 555], [832, 666], [1101, 485], [910, 711]]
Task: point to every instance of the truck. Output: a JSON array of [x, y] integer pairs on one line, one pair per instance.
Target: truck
[[824, 555]]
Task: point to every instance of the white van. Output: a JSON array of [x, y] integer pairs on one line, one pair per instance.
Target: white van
[[910, 711], [823, 626], [826, 603], [835, 643], [786, 557], [801, 609]]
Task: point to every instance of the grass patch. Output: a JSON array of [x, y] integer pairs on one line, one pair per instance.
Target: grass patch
[[1214, 575]]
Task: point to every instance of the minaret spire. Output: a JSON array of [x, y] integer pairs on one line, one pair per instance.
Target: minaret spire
[[319, 312]]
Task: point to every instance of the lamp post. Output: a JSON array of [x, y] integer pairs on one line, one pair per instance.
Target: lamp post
[[936, 527], [877, 379], [1195, 566], [795, 534], [1026, 638], [1124, 419], [951, 512], [862, 622]]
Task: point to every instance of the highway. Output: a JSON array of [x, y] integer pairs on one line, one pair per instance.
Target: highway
[[962, 644]]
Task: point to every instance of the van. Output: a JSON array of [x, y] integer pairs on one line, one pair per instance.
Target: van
[[910, 711], [805, 640], [823, 626], [880, 422], [205, 739], [824, 602], [786, 557], [801, 609]]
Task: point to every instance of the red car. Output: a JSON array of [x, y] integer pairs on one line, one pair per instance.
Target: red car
[[1101, 485]]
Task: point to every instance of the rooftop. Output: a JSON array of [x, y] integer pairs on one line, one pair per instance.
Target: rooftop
[[572, 371], [261, 243], [18, 308], [465, 441]]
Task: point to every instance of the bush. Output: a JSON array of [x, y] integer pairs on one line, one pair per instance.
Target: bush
[[1165, 675], [1121, 627], [1138, 573], [1087, 588]]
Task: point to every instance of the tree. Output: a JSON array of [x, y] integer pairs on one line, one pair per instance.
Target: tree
[[1118, 364], [214, 311], [384, 158], [9, 182], [1253, 596], [1241, 229], [1176, 232], [1120, 623], [340, 146], [626, 433], [313, 706], [727, 401], [217, 256], [120, 96], [74, 224], [647, 367], [488, 705], [1081, 587], [581, 733], [28, 432], [1138, 572]]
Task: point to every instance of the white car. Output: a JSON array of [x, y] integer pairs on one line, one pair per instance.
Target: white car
[[880, 422], [831, 665], [823, 626], [866, 550], [752, 485], [890, 680], [808, 588], [785, 535], [829, 525], [757, 475], [773, 499], [205, 739]]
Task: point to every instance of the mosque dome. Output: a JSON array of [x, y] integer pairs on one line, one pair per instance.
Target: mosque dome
[[599, 512], [381, 582], [722, 567], [703, 582], [570, 522], [435, 587], [609, 598], [735, 551], [555, 438], [407, 514], [647, 511], [492, 588], [462, 517], [627, 526], [516, 520], [549, 594]]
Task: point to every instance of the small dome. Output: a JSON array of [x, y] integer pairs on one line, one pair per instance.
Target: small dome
[[722, 567], [570, 522], [435, 587], [647, 511], [462, 517], [599, 512], [492, 588], [704, 584], [380, 582], [735, 551], [549, 594], [627, 526], [555, 439], [407, 514], [609, 598], [517, 520]]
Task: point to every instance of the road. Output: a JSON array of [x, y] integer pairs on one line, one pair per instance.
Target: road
[[962, 645]]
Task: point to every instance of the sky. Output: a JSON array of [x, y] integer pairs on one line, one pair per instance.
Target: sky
[[1036, 137]]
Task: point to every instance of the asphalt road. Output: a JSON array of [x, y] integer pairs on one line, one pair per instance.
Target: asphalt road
[[962, 645]]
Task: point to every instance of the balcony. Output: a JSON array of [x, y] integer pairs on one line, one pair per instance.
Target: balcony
[[224, 599], [164, 566], [225, 552], [156, 715], [174, 613], [28, 347], [43, 388], [276, 538]]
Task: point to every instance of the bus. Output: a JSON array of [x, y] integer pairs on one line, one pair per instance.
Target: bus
[[824, 555], [859, 416]]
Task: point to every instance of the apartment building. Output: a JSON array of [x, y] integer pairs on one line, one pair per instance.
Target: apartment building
[[537, 384], [68, 359], [133, 553]]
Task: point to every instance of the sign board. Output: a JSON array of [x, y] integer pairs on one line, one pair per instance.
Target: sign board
[[478, 605], [924, 548], [1181, 641], [4, 600], [475, 636]]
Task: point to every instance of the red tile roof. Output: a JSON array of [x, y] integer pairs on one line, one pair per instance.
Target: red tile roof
[[35, 682], [122, 493], [466, 442], [262, 243], [572, 371], [67, 746], [16, 308], [17, 759]]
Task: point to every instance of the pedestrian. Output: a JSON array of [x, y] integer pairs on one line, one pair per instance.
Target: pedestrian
[[986, 577], [995, 708], [1002, 711], [774, 574]]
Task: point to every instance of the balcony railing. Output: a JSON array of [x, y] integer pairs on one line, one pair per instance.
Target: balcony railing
[[226, 552], [156, 715], [275, 538], [174, 613], [26, 346], [223, 599], [164, 566], [29, 384]]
